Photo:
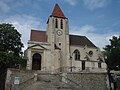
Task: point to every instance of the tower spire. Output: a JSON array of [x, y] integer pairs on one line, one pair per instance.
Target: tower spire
[[57, 12]]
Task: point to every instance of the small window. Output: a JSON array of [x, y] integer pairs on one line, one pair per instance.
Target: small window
[[56, 23], [59, 44], [91, 53], [83, 65], [99, 65], [77, 55], [61, 24]]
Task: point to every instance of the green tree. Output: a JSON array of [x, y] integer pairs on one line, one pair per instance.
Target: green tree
[[10, 46], [112, 52], [10, 50], [10, 39]]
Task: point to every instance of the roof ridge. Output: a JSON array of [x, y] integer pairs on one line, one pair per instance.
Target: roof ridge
[[77, 35], [38, 30]]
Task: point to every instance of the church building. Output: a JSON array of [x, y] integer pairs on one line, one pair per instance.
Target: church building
[[55, 50]]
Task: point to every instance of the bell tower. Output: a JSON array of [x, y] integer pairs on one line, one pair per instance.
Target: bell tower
[[58, 34]]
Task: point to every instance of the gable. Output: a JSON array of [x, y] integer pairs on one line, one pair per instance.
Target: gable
[[37, 46]]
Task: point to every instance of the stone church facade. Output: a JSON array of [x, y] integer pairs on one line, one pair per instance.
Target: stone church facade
[[55, 50]]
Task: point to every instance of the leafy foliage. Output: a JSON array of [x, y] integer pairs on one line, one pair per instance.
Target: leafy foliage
[[112, 52], [4, 58], [10, 46], [10, 39]]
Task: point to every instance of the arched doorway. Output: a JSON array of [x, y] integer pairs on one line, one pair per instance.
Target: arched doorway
[[36, 61]]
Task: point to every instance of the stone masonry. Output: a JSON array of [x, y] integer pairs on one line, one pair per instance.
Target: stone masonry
[[37, 80]]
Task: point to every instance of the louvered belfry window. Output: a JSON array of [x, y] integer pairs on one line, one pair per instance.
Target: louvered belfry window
[[61, 24], [56, 23]]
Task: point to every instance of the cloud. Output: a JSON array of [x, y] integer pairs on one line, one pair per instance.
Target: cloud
[[24, 24], [71, 2], [87, 28], [4, 7], [94, 4], [100, 40]]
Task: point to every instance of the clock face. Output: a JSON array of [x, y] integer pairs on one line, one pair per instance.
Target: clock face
[[59, 32]]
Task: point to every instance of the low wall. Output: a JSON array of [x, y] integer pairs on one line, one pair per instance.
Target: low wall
[[25, 77], [80, 81], [90, 81]]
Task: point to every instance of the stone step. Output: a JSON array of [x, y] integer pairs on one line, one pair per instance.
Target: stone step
[[48, 86], [50, 82]]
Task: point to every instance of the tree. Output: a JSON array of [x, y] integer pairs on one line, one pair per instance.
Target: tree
[[10, 50], [10, 39], [10, 45], [112, 52]]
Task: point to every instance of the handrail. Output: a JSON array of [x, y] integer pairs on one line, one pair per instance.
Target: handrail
[[70, 80]]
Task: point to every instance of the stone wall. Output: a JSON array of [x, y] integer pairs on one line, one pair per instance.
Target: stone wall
[[89, 81], [26, 78], [37, 80]]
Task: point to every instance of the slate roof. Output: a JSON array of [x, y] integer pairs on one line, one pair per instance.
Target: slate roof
[[80, 40], [57, 12], [41, 36]]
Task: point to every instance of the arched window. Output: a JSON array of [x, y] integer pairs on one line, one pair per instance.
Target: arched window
[[61, 24], [56, 23], [77, 54]]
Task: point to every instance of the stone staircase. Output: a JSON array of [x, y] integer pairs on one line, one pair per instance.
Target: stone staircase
[[68, 81], [39, 80], [48, 81]]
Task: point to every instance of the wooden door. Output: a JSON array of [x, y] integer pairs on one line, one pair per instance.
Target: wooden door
[[36, 62]]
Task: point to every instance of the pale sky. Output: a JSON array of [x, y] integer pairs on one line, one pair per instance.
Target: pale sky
[[98, 20]]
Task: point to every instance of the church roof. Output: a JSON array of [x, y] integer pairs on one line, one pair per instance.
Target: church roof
[[39, 36], [80, 40], [57, 12]]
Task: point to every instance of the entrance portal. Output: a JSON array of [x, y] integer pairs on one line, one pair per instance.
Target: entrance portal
[[36, 62]]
